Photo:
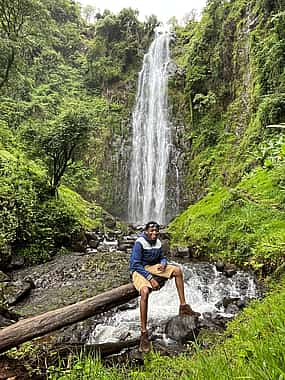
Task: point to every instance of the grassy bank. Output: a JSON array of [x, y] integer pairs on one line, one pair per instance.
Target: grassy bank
[[245, 224]]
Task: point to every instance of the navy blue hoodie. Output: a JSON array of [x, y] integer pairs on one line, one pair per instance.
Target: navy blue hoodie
[[146, 252]]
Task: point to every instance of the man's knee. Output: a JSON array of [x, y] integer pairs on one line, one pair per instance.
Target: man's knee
[[177, 272], [144, 292]]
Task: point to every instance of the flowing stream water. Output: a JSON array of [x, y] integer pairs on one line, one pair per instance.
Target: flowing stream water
[[151, 137], [205, 290]]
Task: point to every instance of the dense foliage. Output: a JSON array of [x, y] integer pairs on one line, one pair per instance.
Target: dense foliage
[[66, 90]]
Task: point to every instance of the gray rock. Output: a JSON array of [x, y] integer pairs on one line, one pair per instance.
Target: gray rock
[[232, 309], [109, 221], [16, 263], [4, 277], [165, 246], [93, 243], [182, 329], [229, 301], [173, 252], [17, 291], [230, 270], [213, 321], [180, 252], [220, 266]]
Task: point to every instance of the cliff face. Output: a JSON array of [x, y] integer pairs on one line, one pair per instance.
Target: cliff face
[[229, 86]]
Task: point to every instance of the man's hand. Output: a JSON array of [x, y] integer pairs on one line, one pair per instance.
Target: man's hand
[[161, 267], [154, 284]]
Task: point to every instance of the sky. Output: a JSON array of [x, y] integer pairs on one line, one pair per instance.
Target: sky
[[163, 9]]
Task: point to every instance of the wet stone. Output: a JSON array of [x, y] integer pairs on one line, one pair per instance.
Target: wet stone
[[220, 266], [4, 277], [182, 329], [232, 309], [17, 291]]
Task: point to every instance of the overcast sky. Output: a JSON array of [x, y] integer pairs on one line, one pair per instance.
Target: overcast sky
[[163, 9]]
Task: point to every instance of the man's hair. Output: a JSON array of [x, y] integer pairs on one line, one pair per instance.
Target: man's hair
[[152, 224]]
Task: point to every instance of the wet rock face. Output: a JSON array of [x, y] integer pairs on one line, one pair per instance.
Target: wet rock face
[[182, 329], [71, 278]]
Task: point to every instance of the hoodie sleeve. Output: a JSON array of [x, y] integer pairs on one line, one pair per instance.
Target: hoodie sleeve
[[136, 261], [163, 259]]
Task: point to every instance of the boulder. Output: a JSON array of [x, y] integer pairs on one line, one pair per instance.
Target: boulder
[[93, 243], [109, 221], [4, 277], [232, 309], [18, 290], [165, 246], [220, 266], [7, 317], [164, 235], [229, 300], [180, 252], [16, 263], [230, 270], [214, 321], [182, 329]]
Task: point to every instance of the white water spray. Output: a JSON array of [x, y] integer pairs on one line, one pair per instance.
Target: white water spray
[[151, 137]]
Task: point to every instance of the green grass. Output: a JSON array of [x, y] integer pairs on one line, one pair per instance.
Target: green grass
[[89, 214], [245, 224], [253, 347]]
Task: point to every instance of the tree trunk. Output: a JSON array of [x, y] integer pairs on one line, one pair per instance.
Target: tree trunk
[[27, 329]]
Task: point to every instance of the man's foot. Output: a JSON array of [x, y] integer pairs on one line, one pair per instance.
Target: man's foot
[[186, 310], [144, 343]]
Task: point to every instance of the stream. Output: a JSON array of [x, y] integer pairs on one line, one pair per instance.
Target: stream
[[218, 294], [215, 295]]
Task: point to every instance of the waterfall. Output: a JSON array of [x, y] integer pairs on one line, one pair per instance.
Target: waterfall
[[151, 137]]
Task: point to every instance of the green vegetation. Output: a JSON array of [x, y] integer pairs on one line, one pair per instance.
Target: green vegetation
[[67, 86], [245, 224], [230, 98]]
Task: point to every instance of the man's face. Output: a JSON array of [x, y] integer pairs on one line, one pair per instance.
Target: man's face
[[152, 233]]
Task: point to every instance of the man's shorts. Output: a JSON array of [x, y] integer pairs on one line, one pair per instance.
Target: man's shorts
[[140, 281]]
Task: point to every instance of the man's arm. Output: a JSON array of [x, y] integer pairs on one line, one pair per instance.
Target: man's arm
[[136, 261]]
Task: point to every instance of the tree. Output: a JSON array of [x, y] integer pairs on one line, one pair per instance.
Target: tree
[[19, 20], [63, 142]]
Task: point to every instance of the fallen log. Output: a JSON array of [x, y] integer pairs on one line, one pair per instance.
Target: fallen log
[[29, 328]]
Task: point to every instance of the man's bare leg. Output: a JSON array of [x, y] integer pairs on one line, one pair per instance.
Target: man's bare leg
[[144, 342], [184, 309], [143, 307]]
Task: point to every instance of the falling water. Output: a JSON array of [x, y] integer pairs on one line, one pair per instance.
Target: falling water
[[151, 137]]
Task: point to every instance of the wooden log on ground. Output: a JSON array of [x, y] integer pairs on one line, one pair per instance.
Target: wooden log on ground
[[29, 328]]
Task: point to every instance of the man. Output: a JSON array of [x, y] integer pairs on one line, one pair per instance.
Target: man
[[146, 261]]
